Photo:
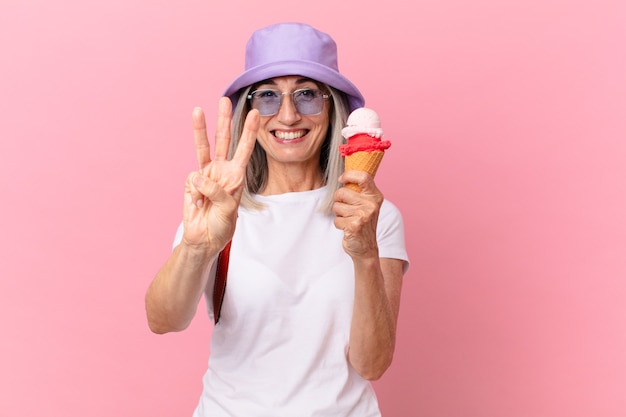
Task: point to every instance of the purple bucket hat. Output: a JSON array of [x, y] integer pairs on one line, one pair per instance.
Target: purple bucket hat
[[293, 49]]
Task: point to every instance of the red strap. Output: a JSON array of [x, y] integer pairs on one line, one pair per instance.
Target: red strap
[[219, 288]]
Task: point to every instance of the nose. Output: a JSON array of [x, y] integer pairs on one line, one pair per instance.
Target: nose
[[287, 112]]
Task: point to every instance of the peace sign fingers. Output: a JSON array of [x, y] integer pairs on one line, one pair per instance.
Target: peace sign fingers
[[228, 174], [222, 131], [248, 138], [203, 149]]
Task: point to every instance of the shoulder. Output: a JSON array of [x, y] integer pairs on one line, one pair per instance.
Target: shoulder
[[389, 213]]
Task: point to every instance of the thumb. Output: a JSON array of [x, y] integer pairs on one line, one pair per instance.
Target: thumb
[[209, 188]]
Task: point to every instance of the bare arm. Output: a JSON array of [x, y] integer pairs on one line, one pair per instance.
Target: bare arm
[[212, 197], [173, 295], [378, 281], [376, 305]]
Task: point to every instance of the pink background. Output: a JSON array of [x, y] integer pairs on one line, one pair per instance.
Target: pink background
[[508, 120]]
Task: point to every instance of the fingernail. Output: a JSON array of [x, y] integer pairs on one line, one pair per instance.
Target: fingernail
[[198, 180]]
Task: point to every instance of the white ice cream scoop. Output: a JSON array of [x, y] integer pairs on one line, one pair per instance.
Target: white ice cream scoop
[[363, 120]]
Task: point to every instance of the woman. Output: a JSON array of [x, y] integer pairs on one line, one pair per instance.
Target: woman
[[312, 298]]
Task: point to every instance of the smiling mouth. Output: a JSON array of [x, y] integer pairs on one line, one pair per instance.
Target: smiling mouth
[[289, 135]]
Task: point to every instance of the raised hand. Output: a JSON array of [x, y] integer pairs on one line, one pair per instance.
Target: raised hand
[[213, 193], [356, 213]]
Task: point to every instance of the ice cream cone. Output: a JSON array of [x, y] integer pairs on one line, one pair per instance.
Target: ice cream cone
[[363, 161]]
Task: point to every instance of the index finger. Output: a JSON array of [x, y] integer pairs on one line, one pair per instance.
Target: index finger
[[203, 149], [222, 131], [248, 138]]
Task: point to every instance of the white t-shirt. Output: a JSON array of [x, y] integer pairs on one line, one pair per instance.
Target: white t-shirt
[[280, 347]]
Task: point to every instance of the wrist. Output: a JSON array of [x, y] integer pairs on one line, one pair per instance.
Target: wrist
[[196, 253], [367, 260]]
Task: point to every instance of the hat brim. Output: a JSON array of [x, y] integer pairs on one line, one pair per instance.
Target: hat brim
[[308, 69]]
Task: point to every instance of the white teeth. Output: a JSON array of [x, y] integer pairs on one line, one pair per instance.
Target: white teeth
[[289, 135]]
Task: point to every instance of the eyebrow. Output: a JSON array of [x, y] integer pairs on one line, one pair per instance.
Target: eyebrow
[[270, 81]]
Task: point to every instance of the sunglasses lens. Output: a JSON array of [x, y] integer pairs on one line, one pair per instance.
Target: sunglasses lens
[[308, 102], [267, 102]]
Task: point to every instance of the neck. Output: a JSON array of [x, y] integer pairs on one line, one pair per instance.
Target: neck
[[292, 179]]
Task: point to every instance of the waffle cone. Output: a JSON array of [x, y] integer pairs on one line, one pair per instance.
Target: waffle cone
[[363, 161]]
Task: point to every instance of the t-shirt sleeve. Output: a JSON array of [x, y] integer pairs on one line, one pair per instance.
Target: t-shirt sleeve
[[179, 235], [390, 234]]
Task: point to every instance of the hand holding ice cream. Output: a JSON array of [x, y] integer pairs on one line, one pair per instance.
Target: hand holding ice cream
[[364, 149]]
